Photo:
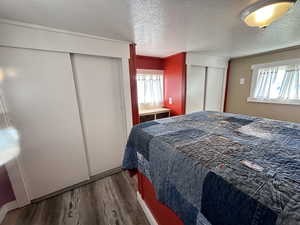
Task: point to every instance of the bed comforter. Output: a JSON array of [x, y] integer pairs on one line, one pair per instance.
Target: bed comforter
[[221, 169]]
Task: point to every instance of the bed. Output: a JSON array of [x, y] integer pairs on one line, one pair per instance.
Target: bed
[[211, 168]]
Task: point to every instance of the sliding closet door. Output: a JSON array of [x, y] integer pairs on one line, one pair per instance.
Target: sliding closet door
[[195, 90], [41, 96], [100, 95], [214, 89]]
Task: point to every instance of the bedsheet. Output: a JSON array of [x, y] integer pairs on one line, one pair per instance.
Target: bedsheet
[[215, 168]]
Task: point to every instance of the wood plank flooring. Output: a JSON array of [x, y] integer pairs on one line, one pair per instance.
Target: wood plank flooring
[[109, 201]]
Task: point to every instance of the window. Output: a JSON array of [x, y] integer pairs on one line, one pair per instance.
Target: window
[[150, 88], [277, 82], [4, 120]]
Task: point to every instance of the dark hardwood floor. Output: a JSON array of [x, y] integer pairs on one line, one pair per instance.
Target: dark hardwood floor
[[109, 201]]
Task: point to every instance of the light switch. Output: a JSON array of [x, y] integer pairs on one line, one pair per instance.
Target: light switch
[[170, 101], [242, 81]]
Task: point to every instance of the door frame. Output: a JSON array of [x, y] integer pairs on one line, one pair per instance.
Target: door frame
[[17, 179]]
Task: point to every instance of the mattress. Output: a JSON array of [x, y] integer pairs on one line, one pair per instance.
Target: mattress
[[215, 168]]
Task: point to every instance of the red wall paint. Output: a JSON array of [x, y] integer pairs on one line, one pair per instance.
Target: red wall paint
[[175, 83], [133, 87], [174, 79], [149, 63], [6, 191]]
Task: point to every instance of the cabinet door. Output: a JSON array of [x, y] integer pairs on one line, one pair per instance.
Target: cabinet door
[[195, 92], [101, 102], [214, 89], [40, 94]]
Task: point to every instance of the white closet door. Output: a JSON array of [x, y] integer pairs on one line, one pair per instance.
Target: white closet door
[[100, 96], [41, 96], [214, 89], [195, 92]]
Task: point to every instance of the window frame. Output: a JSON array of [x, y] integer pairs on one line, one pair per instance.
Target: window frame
[[152, 72], [255, 68]]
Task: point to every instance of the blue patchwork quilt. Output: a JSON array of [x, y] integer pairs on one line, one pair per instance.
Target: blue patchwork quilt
[[221, 169]]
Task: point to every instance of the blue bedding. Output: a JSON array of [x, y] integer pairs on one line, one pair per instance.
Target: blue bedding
[[215, 168]]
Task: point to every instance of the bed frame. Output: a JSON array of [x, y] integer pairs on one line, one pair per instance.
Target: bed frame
[[156, 212]]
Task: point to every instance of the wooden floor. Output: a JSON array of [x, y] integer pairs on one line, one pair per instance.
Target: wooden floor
[[109, 201]]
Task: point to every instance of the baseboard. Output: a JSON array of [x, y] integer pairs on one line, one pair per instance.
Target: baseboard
[[6, 208], [146, 210], [91, 180]]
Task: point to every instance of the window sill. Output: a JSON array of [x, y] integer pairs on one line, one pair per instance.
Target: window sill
[[273, 101]]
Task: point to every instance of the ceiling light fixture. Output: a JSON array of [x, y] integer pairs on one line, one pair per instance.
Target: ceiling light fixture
[[263, 13]]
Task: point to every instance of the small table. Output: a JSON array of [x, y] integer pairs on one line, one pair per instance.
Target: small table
[[154, 114]]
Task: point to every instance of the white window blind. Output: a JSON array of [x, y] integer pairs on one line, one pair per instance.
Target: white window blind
[[276, 84], [150, 88]]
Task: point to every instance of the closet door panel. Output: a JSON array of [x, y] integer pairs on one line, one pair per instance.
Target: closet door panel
[[41, 97], [214, 89], [100, 96], [195, 91]]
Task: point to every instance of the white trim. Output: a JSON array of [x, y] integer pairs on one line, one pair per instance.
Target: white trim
[[146, 210], [16, 176], [200, 59], [276, 63], [40, 27], [143, 71], [224, 87], [6, 208], [253, 82], [127, 95], [21, 35], [274, 101]]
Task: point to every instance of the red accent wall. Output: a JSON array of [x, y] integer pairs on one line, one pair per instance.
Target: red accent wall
[[175, 83], [149, 63], [6, 191], [174, 79], [133, 87]]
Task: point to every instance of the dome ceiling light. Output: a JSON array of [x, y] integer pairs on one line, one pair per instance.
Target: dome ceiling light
[[263, 13]]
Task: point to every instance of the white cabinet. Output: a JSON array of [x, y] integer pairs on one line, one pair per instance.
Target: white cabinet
[[214, 89], [69, 110], [195, 88], [205, 86], [41, 97], [102, 108]]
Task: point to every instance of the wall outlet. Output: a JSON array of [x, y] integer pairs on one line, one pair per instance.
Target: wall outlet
[[170, 101], [242, 81]]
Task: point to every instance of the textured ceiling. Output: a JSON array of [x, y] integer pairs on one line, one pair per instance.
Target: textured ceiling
[[162, 27]]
